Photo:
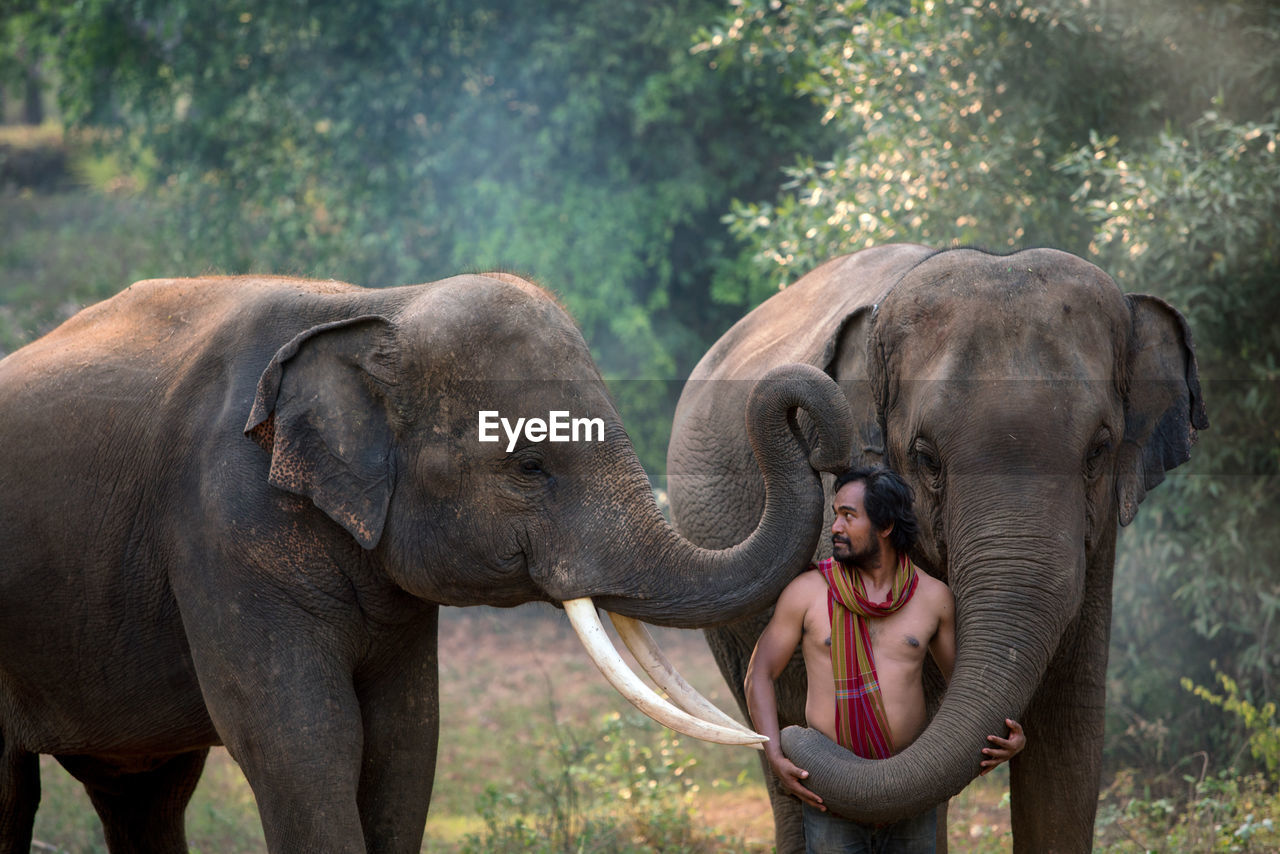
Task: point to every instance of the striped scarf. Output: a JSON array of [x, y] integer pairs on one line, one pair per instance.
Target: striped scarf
[[861, 725]]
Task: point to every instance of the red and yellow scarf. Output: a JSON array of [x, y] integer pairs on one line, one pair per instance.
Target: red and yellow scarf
[[861, 725]]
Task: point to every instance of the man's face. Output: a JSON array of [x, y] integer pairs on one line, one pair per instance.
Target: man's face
[[853, 540]]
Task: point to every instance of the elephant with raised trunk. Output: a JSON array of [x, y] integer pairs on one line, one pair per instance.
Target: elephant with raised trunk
[[231, 508], [1031, 405]]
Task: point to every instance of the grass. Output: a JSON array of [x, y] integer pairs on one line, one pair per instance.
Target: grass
[[61, 252]]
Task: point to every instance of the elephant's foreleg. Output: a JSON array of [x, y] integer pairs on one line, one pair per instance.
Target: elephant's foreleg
[[19, 797], [141, 810], [278, 689], [298, 740], [1054, 781], [401, 717]]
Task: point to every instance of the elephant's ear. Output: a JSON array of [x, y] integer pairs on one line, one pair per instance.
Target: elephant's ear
[[1163, 405], [323, 410], [845, 360]]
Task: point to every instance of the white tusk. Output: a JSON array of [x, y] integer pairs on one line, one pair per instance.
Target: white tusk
[[664, 674], [582, 615]]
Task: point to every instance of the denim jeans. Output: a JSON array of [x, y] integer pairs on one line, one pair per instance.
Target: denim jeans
[[825, 833]]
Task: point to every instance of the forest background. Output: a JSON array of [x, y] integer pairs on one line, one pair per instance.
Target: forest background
[[664, 167]]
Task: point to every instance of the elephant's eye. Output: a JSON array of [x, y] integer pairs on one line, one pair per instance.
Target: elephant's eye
[[926, 460], [529, 471], [1097, 453]]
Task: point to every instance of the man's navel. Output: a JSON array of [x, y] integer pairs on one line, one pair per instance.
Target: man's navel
[[912, 641]]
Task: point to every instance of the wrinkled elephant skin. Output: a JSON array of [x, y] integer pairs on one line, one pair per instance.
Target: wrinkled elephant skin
[[1031, 405], [231, 508]]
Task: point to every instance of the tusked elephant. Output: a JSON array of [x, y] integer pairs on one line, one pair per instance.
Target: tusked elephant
[[1031, 405], [230, 509]]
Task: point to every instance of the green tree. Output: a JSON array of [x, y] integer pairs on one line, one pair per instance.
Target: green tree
[[392, 141], [1194, 218], [1185, 205], [939, 142]]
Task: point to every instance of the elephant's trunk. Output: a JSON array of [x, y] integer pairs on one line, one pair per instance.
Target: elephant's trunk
[[1014, 599], [651, 573], [650, 559]]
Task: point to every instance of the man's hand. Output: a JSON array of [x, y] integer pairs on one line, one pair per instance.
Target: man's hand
[[1003, 749], [790, 775]]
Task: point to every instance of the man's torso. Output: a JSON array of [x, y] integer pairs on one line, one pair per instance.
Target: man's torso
[[899, 644]]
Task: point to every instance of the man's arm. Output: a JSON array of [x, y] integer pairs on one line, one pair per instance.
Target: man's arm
[[773, 650], [943, 650], [943, 645]]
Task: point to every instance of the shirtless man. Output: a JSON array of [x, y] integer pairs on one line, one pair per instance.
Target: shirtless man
[[909, 611]]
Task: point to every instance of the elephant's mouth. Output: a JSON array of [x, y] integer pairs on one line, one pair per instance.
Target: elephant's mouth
[[687, 712]]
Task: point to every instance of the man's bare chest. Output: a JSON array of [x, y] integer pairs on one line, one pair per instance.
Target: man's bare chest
[[904, 635]]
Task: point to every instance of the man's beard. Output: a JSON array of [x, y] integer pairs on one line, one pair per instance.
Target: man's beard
[[853, 559]]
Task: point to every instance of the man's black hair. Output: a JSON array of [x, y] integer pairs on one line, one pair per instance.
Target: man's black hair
[[888, 500]]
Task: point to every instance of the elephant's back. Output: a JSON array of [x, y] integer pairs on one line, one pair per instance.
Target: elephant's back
[[152, 346], [163, 318], [799, 323]]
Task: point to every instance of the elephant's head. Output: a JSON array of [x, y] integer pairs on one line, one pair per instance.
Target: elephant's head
[[410, 426], [1031, 405]]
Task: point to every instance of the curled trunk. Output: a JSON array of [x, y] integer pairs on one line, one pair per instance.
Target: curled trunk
[[670, 581]]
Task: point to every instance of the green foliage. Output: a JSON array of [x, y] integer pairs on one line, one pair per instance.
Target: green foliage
[[1260, 722], [1193, 218], [940, 144], [60, 252], [627, 797], [1222, 813]]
